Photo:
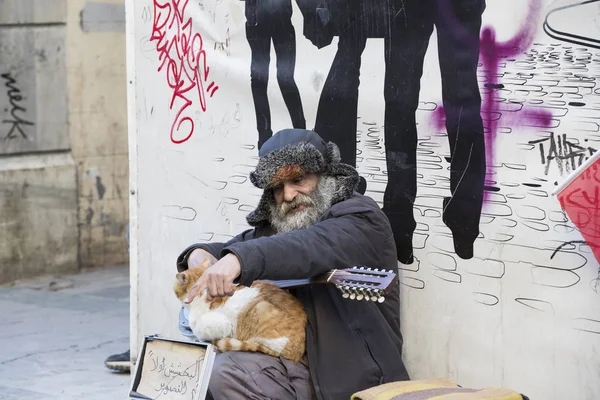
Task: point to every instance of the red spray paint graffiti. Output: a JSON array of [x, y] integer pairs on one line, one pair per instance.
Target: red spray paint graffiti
[[181, 51]]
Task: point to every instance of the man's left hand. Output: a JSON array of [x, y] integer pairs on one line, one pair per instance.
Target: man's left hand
[[218, 278]]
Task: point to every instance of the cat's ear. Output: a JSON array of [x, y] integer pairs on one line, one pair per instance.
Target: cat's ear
[[181, 277], [205, 264]]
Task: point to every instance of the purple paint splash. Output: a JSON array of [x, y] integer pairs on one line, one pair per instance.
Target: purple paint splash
[[492, 53]]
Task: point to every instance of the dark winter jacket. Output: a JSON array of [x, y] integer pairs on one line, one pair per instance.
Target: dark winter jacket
[[351, 345]]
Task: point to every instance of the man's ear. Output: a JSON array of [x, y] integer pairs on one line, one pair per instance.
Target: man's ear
[[181, 277]]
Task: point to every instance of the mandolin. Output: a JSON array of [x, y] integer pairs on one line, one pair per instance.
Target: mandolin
[[356, 283]]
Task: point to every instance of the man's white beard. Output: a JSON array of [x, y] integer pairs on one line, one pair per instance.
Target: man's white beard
[[283, 220]]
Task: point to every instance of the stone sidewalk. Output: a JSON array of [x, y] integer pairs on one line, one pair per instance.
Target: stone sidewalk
[[56, 332]]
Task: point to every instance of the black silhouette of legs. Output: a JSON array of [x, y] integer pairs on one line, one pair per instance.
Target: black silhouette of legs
[[458, 52], [338, 105], [404, 53], [458, 26], [284, 41], [260, 45]]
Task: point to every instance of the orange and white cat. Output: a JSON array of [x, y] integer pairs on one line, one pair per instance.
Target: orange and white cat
[[262, 317]]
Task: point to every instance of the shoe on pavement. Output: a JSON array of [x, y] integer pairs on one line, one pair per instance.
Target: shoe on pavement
[[119, 362]]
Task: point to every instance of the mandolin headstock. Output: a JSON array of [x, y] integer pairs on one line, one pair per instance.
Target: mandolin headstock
[[362, 283]]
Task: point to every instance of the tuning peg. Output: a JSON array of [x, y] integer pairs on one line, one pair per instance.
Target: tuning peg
[[381, 299], [374, 295], [352, 294], [360, 295], [345, 295]]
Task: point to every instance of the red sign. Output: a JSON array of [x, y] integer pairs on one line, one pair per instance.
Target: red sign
[[581, 199]]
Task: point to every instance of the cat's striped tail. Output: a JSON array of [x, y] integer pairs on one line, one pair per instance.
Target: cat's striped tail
[[230, 344]]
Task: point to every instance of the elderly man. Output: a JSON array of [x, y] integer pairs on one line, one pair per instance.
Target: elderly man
[[309, 220]]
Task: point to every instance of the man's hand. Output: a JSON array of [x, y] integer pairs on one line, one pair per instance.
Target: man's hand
[[198, 256], [218, 278]]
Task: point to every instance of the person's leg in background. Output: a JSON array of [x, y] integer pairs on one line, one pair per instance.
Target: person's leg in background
[[405, 50], [338, 105], [284, 42], [458, 23], [260, 44]]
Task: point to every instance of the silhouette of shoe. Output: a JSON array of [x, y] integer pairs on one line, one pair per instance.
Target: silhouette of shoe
[[463, 244]]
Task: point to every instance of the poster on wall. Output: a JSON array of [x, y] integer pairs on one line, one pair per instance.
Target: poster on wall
[[461, 117]]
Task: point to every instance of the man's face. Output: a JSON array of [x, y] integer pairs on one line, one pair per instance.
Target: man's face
[[300, 187], [298, 203]]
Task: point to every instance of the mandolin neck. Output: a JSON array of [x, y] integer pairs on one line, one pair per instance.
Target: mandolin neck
[[294, 283]]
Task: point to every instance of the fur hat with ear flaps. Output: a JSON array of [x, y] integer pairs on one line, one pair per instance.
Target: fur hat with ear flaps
[[292, 153]]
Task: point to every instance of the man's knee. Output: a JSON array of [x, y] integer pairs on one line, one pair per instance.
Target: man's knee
[[227, 378]]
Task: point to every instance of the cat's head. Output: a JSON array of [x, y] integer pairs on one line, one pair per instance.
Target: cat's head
[[186, 279]]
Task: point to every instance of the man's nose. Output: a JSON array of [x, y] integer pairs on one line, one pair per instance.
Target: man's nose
[[289, 192]]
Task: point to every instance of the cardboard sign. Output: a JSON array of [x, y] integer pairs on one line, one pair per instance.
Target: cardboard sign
[[169, 369]]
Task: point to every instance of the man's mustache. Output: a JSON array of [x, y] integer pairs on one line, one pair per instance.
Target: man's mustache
[[299, 200]]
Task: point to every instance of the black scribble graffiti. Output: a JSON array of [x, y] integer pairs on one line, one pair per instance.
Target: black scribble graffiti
[[566, 154], [486, 299], [554, 277], [146, 14], [447, 276], [589, 325], [194, 177], [413, 282], [14, 98], [538, 193], [570, 36], [245, 208], [559, 248], [180, 212], [238, 179], [206, 236], [536, 304], [442, 261], [488, 268], [224, 46], [531, 213], [219, 185]]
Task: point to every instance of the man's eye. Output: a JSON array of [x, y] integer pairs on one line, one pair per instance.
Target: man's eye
[[299, 180]]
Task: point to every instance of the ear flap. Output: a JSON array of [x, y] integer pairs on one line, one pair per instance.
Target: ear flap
[[181, 277], [333, 153]]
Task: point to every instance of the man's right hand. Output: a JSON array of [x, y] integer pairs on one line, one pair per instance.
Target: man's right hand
[[197, 257]]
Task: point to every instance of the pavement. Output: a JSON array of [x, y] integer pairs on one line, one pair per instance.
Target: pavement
[[56, 332]]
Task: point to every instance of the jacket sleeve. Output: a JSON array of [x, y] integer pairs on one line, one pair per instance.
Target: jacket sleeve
[[215, 249], [343, 240]]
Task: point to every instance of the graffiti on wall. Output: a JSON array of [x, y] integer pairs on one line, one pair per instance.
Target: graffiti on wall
[[16, 121], [184, 64], [464, 178]]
